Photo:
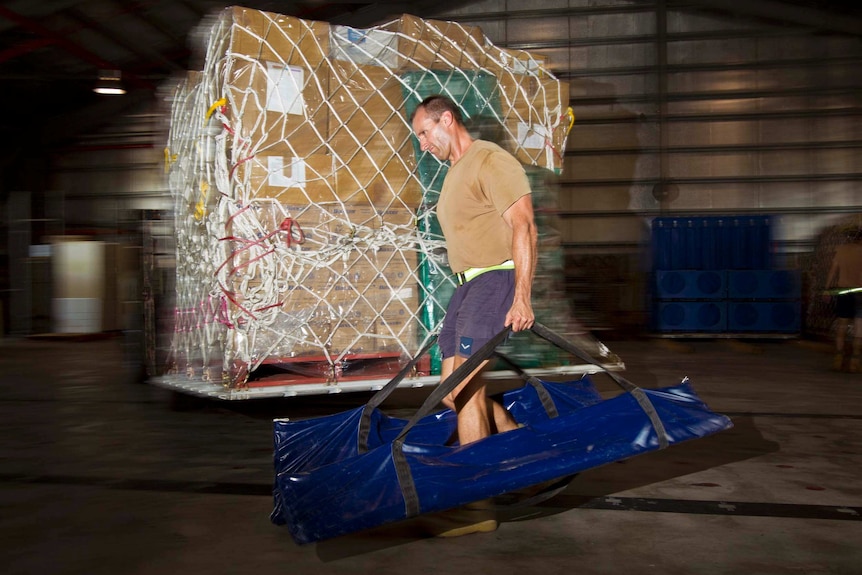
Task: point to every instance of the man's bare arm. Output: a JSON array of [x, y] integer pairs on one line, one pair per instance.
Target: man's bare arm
[[520, 218]]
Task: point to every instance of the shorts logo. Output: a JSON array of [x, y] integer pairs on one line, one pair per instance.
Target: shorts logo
[[466, 346]]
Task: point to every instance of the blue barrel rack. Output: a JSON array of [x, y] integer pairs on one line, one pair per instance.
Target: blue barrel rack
[[715, 275]]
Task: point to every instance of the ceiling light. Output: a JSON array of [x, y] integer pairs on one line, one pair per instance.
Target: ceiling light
[[109, 83]]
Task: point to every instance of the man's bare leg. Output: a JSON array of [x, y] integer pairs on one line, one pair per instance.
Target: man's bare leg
[[855, 358], [474, 423], [840, 333], [478, 415]]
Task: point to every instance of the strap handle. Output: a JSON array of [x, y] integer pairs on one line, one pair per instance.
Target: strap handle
[[538, 386], [378, 398], [455, 378], [636, 392], [412, 506], [402, 467]]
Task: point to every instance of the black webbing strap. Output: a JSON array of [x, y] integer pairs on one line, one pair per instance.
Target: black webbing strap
[[455, 378], [537, 384], [636, 392], [405, 479], [402, 468], [378, 398]]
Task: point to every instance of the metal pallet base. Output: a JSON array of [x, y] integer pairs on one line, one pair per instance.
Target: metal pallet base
[[180, 383]]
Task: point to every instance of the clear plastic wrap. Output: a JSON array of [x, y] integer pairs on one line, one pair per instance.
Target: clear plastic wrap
[[304, 210]]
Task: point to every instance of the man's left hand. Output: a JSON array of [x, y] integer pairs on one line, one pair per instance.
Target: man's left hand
[[520, 317]]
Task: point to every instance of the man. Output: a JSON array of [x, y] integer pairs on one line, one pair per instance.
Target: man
[[486, 214], [845, 275]]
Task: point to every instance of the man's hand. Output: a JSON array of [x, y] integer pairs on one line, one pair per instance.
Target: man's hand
[[520, 316]]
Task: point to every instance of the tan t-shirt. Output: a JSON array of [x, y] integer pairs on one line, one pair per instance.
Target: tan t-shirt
[[846, 271], [478, 189]]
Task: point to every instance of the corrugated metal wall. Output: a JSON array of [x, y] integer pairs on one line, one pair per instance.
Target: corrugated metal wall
[[727, 114], [688, 111], [680, 111]]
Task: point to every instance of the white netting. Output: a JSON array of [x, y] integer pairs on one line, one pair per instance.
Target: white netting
[[304, 211]]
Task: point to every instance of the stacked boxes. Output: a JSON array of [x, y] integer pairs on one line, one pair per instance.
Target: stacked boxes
[[305, 213], [272, 69], [535, 113], [712, 275]]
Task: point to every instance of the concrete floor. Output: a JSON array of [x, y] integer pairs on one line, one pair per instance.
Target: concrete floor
[[103, 475]]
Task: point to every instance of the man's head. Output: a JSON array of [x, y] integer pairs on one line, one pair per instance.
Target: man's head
[[436, 122], [436, 105]]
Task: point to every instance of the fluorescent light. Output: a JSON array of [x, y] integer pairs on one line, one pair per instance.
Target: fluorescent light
[[109, 82]]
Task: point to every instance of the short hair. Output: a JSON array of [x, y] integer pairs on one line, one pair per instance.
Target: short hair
[[435, 105]]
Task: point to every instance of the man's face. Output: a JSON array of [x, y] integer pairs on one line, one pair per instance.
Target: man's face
[[431, 134]]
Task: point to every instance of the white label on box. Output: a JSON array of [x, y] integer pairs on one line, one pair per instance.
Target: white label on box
[[365, 47], [279, 177], [532, 136], [525, 67], [284, 89], [403, 294], [517, 66]]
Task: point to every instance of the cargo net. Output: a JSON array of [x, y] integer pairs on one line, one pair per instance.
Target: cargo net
[[305, 223]]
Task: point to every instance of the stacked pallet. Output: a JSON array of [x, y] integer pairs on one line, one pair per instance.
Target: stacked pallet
[[304, 209]]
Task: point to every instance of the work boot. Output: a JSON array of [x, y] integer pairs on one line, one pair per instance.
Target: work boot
[[838, 362], [478, 517]]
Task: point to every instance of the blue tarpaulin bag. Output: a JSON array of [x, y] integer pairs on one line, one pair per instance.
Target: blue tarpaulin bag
[[359, 469]]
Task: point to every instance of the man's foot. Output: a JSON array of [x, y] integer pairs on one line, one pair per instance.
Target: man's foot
[[479, 517]]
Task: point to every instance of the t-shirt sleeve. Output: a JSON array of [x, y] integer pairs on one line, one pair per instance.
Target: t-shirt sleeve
[[504, 180]]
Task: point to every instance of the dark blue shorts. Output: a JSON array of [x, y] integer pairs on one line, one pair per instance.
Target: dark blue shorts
[[476, 312], [848, 305]]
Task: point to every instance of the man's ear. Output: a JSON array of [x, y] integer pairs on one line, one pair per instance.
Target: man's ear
[[447, 118]]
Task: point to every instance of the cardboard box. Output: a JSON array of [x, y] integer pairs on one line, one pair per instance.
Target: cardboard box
[[274, 72], [291, 180], [509, 61], [376, 176], [277, 38], [527, 124], [424, 44], [370, 137], [411, 43], [276, 109], [367, 108], [372, 178], [530, 100]]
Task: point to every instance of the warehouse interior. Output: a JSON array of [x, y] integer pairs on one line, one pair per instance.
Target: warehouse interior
[[682, 110], [711, 144]]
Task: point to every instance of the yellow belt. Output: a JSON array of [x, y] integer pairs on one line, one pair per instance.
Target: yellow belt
[[468, 274]]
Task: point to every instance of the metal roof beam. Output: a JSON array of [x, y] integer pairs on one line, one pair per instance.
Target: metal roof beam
[[25, 48], [781, 11], [71, 47], [138, 48]]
